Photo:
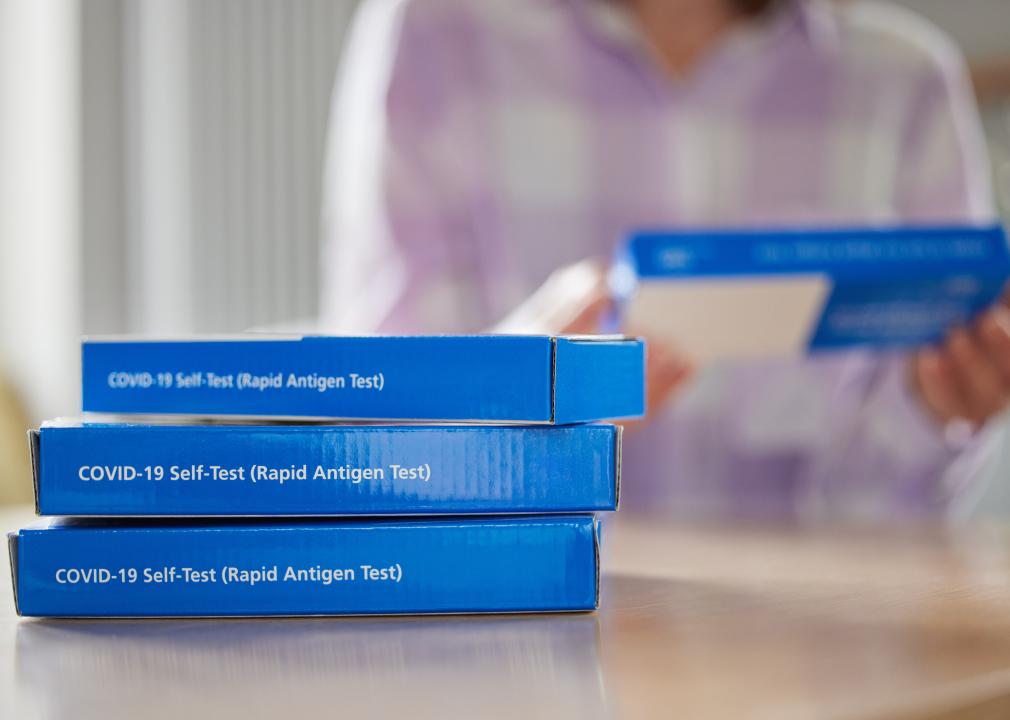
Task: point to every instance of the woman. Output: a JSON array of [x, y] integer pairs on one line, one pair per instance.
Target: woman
[[499, 140]]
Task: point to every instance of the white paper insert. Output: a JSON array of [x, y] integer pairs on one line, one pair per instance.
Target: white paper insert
[[743, 317]]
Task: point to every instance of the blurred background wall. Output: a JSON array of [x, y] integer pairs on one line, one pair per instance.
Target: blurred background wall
[[164, 157]]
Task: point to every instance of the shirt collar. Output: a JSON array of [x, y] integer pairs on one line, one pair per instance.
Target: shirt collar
[[815, 20], [818, 21]]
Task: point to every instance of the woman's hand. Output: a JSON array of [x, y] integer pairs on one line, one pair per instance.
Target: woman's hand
[[665, 372], [968, 377]]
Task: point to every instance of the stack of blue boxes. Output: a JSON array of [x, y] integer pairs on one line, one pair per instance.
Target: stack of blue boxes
[[473, 489]]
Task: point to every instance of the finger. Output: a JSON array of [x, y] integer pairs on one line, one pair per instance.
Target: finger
[[657, 354], [993, 333], [936, 383], [982, 386], [662, 362], [666, 371], [589, 318], [659, 351]]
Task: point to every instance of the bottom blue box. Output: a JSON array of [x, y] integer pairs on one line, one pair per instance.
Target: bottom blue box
[[87, 568]]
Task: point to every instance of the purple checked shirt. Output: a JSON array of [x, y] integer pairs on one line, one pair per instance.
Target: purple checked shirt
[[478, 145]]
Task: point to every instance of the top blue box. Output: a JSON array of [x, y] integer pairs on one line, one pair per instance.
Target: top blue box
[[478, 378]]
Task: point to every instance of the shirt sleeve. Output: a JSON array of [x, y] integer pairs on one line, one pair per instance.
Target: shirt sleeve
[[885, 453], [397, 235], [880, 451], [888, 455], [944, 173], [917, 465]]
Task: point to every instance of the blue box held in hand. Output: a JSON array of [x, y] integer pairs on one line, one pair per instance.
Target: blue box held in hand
[[718, 294]]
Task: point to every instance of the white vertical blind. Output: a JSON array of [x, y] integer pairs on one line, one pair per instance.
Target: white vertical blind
[[40, 309], [223, 106], [260, 80], [159, 179]]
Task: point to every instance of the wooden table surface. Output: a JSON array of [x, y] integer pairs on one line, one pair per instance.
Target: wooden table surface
[[700, 622]]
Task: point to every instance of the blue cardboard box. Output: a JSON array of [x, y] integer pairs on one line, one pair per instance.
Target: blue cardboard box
[[109, 469], [736, 294], [81, 568], [479, 378]]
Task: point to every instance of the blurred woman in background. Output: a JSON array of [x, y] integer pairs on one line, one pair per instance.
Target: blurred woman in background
[[478, 146]]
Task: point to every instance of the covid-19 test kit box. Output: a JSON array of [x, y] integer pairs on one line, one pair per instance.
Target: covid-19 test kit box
[[522, 379], [738, 294], [374, 566]]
